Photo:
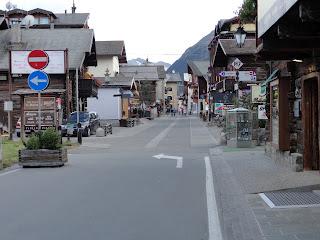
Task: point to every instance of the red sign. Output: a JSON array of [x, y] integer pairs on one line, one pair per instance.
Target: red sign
[[38, 59]]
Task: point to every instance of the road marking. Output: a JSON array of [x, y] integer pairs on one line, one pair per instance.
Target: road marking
[[213, 217], [9, 172], [179, 159], [179, 163], [156, 140]]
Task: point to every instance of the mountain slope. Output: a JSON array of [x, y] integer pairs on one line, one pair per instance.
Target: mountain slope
[[140, 61], [199, 51]]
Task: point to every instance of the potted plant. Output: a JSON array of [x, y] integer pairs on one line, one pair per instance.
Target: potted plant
[[43, 149]]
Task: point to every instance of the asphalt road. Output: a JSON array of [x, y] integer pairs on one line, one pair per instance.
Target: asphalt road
[[113, 188]]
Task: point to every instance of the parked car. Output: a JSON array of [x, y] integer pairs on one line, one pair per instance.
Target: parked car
[[89, 123], [18, 127]]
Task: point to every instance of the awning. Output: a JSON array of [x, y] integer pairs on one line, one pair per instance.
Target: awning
[[270, 78]]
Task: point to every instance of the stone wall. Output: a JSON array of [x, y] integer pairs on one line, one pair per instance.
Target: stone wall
[[293, 161]]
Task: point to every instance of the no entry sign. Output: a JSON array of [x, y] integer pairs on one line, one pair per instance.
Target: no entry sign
[[38, 59]]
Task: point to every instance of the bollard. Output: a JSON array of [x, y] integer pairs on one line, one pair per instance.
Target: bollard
[[79, 133]]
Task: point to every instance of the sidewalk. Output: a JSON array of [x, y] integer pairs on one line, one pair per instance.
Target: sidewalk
[[239, 175]]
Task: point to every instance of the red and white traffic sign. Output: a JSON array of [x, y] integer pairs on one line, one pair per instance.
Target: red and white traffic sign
[[38, 59]]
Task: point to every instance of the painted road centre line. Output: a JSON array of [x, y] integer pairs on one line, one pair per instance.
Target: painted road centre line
[[213, 217], [156, 140]]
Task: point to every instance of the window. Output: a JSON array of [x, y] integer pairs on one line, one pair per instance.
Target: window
[[14, 21], [3, 77], [43, 20]]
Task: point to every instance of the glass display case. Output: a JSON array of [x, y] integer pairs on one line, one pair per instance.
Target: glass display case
[[239, 128]]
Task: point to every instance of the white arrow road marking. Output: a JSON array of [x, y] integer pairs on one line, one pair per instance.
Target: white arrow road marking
[[36, 80], [179, 159]]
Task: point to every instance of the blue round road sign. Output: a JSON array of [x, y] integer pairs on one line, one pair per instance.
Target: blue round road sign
[[38, 80]]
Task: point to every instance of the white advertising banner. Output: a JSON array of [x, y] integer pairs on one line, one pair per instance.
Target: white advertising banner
[[270, 11], [262, 112], [20, 65]]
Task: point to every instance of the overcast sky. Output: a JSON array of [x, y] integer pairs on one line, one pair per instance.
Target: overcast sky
[[157, 29]]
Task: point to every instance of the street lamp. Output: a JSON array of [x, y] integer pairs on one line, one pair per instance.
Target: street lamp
[[240, 36]]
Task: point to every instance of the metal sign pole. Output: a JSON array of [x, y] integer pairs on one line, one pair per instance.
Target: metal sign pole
[[77, 94], [79, 130], [39, 111]]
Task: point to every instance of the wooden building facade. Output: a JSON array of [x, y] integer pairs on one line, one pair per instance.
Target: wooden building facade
[[289, 41]]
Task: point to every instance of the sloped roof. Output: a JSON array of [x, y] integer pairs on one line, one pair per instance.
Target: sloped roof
[[43, 11], [120, 81], [17, 11], [224, 25], [230, 48], [109, 48], [143, 72], [77, 41], [199, 68], [173, 77], [71, 18]]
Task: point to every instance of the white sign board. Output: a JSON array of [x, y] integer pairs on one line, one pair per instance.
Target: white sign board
[[20, 65], [262, 112], [228, 74], [8, 106], [247, 76], [187, 77], [243, 75]]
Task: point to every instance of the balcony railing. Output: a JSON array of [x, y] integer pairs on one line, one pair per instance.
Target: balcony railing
[[88, 88]]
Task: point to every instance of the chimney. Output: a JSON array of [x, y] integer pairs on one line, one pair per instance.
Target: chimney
[[14, 40], [73, 9]]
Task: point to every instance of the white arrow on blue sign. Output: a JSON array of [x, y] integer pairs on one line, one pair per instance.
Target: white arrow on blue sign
[[38, 80]]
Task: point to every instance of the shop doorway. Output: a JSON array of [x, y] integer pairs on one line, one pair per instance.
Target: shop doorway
[[311, 124]]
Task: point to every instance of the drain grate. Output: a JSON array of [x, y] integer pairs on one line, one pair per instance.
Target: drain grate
[[291, 199]]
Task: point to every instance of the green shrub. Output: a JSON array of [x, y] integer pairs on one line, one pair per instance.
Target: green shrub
[[33, 142], [50, 139]]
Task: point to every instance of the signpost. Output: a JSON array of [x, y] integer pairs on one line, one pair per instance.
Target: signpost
[[38, 59], [237, 64], [38, 80], [242, 75]]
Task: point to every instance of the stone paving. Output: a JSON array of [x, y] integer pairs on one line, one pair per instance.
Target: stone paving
[[239, 174]]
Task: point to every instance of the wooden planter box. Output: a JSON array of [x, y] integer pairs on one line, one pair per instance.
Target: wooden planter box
[[43, 158]]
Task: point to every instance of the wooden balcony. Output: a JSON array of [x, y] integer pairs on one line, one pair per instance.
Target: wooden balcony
[[88, 88]]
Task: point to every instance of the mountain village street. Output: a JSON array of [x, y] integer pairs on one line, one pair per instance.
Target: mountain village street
[[160, 120], [122, 187]]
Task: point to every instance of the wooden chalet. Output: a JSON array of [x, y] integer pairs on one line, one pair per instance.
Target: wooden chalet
[[150, 81], [198, 70], [79, 48], [288, 38], [223, 52]]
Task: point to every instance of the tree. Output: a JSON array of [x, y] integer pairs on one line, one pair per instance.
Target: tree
[[248, 11]]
